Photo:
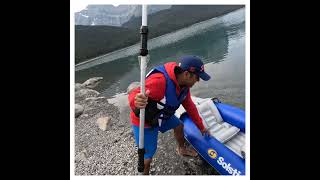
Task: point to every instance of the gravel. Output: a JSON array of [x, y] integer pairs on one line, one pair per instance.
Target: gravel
[[113, 152]]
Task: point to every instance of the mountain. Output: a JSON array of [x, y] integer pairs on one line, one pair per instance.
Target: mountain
[[112, 16], [179, 16], [93, 41]]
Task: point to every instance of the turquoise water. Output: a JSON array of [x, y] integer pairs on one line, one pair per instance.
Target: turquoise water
[[219, 41]]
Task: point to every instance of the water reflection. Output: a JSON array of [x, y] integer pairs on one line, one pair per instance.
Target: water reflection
[[212, 45]]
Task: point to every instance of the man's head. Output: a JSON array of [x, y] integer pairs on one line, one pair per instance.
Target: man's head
[[194, 65], [192, 69]]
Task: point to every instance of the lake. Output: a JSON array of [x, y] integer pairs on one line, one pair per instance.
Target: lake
[[220, 42]]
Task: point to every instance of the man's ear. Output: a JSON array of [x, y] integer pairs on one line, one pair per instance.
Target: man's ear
[[186, 73]]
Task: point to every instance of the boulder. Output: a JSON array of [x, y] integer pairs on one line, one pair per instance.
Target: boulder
[[92, 82]]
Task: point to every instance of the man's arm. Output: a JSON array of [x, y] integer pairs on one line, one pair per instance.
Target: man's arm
[[192, 110], [156, 84]]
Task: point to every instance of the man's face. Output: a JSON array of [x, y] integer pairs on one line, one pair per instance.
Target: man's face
[[191, 79]]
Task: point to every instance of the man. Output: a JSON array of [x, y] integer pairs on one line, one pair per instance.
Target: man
[[167, 87]]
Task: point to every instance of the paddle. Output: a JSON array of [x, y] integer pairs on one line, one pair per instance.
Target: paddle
[[143, 66]]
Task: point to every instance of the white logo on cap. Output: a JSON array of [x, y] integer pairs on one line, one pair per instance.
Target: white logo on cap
[[202, 68]]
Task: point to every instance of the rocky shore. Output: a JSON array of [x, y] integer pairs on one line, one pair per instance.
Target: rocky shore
[[104, 143]]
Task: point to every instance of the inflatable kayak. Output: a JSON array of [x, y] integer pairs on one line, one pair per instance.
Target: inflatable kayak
[[224, 147]]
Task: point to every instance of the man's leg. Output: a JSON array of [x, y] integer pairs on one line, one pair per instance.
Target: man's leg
[[147, 163], [150, 145], [175, 124], [178, 134], [182, 150]]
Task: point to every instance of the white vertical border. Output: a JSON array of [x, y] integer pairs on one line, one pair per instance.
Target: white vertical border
[[72, 84], [247, 80], [247, 85]]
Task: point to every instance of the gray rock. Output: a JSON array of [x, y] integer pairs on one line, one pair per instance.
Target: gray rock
[[78, 86], [133, 86], [78, 109], [82, 94], [88, 84], [81, 156], [94, 98], [103, 123], [92, 82]]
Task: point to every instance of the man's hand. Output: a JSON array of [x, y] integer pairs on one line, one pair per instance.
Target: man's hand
[[204, 131], [141, 100]]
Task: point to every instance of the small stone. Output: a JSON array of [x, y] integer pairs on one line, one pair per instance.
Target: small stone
[[103, 122]]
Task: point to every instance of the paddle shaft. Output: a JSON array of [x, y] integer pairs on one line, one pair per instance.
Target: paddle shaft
[[143, 66]]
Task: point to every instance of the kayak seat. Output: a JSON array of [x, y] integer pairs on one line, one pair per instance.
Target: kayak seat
[[224, 132], [237, 144]]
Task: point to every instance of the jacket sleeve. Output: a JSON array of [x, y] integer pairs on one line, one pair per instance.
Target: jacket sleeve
[[191, 109], [156, 83]]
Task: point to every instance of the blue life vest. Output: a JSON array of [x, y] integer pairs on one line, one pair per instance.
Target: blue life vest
[[170, 102]]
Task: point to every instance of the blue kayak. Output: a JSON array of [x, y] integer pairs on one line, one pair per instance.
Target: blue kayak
[[224, 148]]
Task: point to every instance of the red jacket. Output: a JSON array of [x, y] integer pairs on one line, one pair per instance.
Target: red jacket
[[156, 83]]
